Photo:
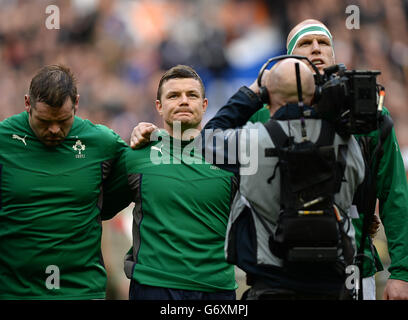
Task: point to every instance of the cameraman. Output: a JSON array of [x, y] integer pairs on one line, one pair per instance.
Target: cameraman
[[256, 207], [312, 39]]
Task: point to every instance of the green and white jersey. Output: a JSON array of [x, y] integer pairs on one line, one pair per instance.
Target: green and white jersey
[[50, 199], [180, 217]]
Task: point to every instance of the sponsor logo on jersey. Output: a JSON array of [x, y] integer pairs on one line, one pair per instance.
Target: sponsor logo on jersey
[[14, 136], [157, 148]]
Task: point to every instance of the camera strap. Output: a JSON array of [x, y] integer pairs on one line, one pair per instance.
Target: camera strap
[[326, 138]]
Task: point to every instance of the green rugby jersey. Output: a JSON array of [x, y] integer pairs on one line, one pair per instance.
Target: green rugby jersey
[[180, 217], [50, 201]]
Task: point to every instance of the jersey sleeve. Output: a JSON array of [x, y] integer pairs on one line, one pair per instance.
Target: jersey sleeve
[[116, 194], [392, 193]]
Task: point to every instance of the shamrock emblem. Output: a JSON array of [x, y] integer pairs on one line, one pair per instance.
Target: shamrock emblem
[[78, 146]]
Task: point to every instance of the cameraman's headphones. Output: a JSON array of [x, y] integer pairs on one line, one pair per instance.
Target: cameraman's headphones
[[263, 92]]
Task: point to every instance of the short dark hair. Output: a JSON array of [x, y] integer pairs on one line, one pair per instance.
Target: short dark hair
[[52, 85], [179, 72]]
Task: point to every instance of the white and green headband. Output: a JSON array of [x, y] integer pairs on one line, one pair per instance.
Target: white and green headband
[[306, 30]]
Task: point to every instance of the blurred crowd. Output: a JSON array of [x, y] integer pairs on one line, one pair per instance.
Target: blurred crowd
[[118, 49]]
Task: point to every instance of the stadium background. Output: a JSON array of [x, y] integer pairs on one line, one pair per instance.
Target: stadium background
[[118, 50]]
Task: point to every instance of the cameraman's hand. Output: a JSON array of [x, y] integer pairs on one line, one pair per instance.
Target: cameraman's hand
[[141, 134]]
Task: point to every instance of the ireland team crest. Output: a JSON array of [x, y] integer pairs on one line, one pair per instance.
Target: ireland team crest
[[79, 147]]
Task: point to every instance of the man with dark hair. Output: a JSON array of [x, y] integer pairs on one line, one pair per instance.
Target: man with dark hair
[[53, 165], [179, 72], [181, 202], [52, 97], [52, 86], [141, 133]]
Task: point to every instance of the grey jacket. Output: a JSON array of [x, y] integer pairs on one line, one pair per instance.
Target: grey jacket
[[257, 194]]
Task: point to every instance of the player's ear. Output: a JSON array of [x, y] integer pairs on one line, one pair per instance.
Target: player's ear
[[159, 107], [205, 104], [76, 103], [27, 105]]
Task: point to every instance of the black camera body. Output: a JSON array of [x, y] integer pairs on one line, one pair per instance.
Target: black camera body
[[348, 98]]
